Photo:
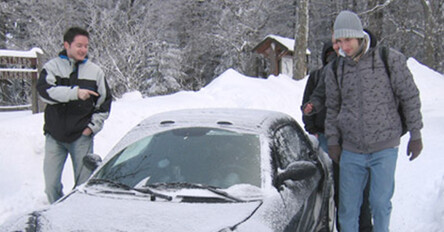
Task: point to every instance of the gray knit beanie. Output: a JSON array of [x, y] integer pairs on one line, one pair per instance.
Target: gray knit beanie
[[348, 25]]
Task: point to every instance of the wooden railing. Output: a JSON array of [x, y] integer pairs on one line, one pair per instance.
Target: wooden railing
[[22, 65]]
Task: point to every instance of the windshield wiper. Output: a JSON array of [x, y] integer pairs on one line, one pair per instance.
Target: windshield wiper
[[199, 186], [116, 184]]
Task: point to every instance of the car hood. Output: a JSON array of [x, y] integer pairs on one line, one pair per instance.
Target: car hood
[[84, 212]]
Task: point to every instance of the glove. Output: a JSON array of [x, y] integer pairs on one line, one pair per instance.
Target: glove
[[414, 148], [334, 151]]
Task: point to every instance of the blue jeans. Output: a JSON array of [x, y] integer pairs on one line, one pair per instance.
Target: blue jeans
[[353, 175], [323, 142], [55, 156]]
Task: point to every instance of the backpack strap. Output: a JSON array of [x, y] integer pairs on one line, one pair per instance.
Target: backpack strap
[[384, 53], [335, 72], [335, 65]]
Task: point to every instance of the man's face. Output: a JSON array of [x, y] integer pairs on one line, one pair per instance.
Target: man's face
[[78, 49], [349, 45]]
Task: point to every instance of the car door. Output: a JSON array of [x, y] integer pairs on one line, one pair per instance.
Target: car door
[[291, 145]]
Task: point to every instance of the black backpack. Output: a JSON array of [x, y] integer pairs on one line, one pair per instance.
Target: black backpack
[[383, 52]]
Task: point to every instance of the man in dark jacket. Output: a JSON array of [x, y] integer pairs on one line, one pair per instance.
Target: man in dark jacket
[[314, 123], [363, 125], [78, 102]]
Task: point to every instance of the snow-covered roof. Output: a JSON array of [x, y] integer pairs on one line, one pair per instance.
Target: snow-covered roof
[[287, 42], [14, 53]]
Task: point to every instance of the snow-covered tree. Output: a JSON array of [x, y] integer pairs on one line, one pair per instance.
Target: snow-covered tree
[[159, 47]]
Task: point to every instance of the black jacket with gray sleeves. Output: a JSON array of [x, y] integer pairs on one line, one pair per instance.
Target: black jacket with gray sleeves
[[66, 116]]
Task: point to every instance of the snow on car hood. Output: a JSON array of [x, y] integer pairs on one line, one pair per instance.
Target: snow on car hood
[[84, 212]]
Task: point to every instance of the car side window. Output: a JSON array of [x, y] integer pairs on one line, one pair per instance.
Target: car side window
[[290, 145]]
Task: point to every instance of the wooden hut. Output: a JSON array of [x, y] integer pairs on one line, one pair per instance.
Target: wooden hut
[[279, 51]]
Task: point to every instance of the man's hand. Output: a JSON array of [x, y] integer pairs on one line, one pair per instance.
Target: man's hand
[[84, 94], [414, 148], [334, 151], [87, 131], [308, 108]]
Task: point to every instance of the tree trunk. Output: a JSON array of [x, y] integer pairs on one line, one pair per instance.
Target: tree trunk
[[376, 19], [428, 35], [301, 38]]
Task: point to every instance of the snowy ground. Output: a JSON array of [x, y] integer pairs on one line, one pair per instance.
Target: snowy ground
[[418, 204]]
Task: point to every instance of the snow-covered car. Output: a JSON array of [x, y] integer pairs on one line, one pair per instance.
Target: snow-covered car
[[201, 170]]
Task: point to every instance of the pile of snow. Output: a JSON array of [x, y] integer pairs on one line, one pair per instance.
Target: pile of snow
[[418, 204]]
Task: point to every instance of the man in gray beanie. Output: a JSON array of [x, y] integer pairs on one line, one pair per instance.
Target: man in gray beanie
[[363, 124]]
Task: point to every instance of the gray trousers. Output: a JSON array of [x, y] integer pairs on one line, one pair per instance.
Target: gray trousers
[[55, 157]]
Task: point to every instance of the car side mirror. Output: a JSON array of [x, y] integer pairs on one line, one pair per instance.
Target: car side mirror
[[92, 161], [298, 170]]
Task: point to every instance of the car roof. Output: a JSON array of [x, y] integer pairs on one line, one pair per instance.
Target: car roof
[[235, 118]]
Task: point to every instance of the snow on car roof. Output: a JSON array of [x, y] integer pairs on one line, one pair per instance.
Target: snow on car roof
[[251, 119], [245, 120]]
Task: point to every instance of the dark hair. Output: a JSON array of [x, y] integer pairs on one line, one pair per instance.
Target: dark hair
[[72, 32]]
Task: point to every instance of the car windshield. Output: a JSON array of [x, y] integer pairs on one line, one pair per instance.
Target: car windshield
[[207, 156]]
